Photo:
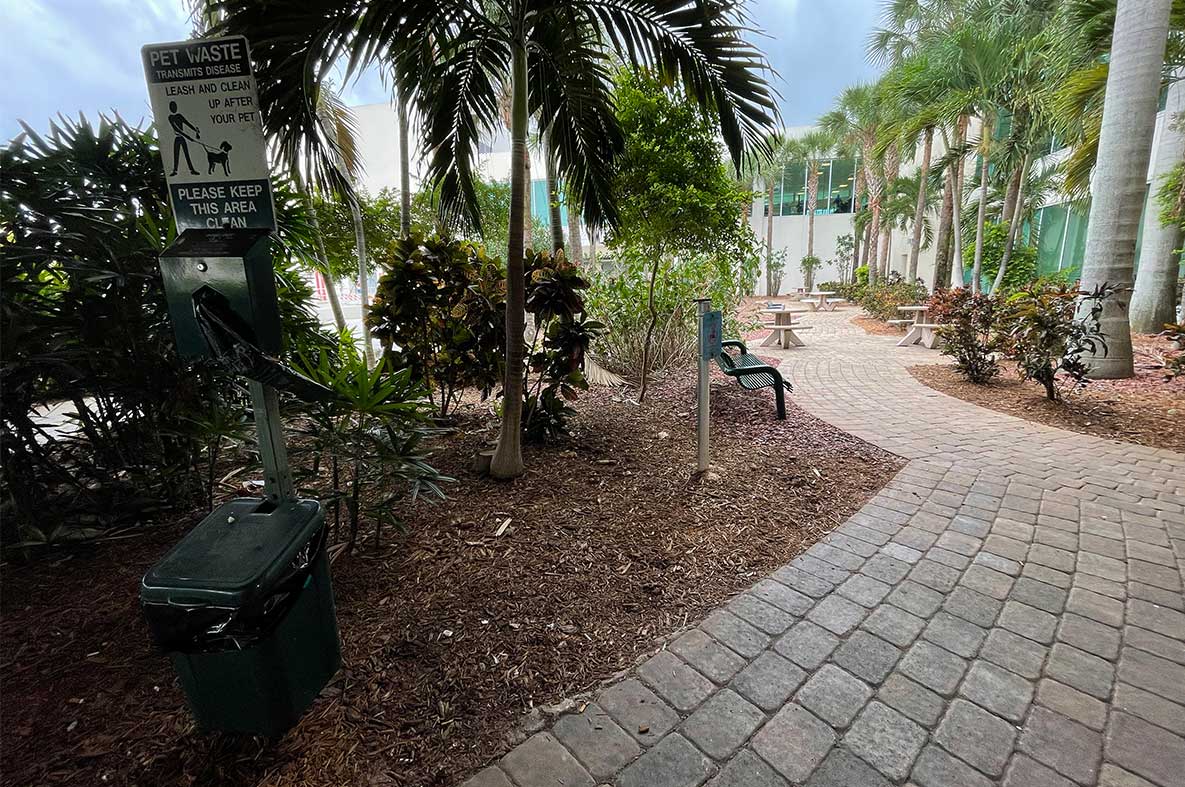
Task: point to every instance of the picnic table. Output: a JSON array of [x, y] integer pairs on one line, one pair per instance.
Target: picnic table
[[782, 330], [919, 331], [823, 301]]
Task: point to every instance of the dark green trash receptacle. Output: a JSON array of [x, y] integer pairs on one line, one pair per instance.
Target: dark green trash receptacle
[[244, 606]]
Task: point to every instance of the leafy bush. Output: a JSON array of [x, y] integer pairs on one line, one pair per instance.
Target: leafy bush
[[619, 301], [375, 426], [1048, 330], [1022, 265], [555, 301], [84, 213], [439, 309], [881, 300], [967, 325], [808, 266]]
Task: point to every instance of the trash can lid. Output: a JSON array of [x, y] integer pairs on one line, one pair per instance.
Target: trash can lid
[[234, 555]]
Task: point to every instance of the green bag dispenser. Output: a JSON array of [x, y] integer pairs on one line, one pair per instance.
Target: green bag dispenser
[[243, 604]]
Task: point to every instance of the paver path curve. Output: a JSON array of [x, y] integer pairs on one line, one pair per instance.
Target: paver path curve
[[1008, 610]]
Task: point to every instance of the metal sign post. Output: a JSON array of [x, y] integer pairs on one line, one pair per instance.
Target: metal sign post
[[710, 326]]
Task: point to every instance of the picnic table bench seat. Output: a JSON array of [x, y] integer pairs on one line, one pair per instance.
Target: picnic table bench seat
[[752, 374]]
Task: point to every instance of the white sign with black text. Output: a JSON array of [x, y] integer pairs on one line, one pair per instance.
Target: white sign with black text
[[207, 116]]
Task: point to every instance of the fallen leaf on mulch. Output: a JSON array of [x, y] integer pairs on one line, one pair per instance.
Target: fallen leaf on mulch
[[505, 598]]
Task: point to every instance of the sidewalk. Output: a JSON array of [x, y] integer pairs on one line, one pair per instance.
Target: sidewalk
[[1008, 610]]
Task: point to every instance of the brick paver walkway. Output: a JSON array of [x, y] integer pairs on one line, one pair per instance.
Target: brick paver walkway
[[1009, 610]]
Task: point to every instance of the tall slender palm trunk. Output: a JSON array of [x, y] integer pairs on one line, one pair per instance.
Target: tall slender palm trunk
[[508, 456], [857, 202], [812, 203], [404, 164], [769, 241], [956, 176], [363, 279], [942, 240], [919, 213], [981, 215], [575, 246], [335, 304], [875, 192], [1013, 219], [1125, 142], [553, 206], [1155, 296]]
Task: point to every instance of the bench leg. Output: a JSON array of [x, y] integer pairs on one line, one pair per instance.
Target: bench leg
[[930, 338], [793, 339], [780, 398], [911, 336], [770, 340]]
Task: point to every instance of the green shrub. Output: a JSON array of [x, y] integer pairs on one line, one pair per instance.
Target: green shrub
[[619, 300], [808, 266], [439, 309], [84, 214], [374, 428], [968, 327], [1047, 331], [881, 300], [1022, 265]]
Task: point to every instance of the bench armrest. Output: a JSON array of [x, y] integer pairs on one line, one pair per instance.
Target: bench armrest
[[737, 343]]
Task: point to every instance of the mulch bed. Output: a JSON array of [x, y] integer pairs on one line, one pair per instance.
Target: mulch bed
[[877, 327], [1145, 409], [451, 632]]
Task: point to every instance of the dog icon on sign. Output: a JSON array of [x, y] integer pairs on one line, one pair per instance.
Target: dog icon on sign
[[217, 156]]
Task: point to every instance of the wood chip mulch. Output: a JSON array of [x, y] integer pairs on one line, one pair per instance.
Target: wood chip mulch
[[872, 325], [504, 598], [1146, 409]]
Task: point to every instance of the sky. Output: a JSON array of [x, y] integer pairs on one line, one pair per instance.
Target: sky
[[71, 56]]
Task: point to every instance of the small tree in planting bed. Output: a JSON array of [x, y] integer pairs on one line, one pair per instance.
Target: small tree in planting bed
[[968, 330], [1048, 331]]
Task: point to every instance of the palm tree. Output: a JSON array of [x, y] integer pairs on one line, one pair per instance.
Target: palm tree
[[1125, 142], [1155, 293], [813, 149], [339, 123], [769, 170], [403, 99], [557, 59], [856, 118]]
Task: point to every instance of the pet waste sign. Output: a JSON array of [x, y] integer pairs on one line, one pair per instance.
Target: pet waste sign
[[206, 109]]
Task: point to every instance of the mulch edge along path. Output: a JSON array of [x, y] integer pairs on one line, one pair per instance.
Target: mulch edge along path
[[452, 634], [1146, 409]]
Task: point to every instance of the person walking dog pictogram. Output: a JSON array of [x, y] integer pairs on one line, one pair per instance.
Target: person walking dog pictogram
[[181, 140]]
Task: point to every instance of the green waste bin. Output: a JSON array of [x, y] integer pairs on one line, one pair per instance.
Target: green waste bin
[[244, 607]]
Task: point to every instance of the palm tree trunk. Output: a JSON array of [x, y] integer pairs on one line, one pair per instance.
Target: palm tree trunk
[[857, 199], [1125, 141], [981, 216], [875, 191], [919, 213], [404, 165], [886, 244], [553, 205], [943, 239], [363, 279], [1013, 220], [1011, 195], [650, 326], [528, 214], [508, 456], [956, 268], [812, 202], [575, 247], [335, 304], [769, 241], [1155, 295]]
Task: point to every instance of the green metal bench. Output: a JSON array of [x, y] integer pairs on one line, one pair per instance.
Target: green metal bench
[[751, 374]]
